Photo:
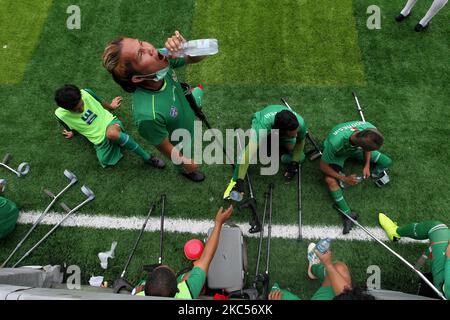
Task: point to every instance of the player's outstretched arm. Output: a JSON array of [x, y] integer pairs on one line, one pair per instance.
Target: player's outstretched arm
[[211, 246]]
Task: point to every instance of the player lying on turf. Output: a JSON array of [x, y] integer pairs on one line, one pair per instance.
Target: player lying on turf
[[335, 277], [86, 113], [162, 281], [357, 140], [292, 133], [439, 250]]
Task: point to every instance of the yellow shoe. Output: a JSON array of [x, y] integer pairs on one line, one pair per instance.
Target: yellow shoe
[[389, 226]]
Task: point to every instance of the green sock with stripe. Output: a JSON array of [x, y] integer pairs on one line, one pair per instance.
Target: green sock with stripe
[[338, 197], [128, 143], [418, 231]]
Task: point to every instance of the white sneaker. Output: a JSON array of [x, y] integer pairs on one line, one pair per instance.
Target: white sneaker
[[312, 259]]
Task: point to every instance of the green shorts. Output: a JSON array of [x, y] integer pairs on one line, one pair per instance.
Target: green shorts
[[8, 216], [324, 293], [358, 155], [109, 152]]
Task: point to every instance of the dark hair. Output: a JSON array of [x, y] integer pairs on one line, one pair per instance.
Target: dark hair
[[161, 282], [286, 121], [121, 72], [356, 293], [68, 96], [370, 139]]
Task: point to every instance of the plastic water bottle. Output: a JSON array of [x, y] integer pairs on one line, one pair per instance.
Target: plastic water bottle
[[323, 245], [344, 185], [194, 48], [236, 196]]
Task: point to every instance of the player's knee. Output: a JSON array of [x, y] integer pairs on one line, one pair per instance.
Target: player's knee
[[343, 270], [341, 267], [331, 182], [113, 133]]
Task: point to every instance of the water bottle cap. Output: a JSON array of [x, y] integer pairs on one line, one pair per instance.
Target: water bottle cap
[[164, 51]]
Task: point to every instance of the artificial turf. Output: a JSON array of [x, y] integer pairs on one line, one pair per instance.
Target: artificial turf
[[314, 56]]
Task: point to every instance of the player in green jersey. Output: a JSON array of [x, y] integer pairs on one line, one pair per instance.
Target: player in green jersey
[[162, 281], [335, 277], [358, 140], [159, 104], [439, 251], [291, 141], [86, 113]]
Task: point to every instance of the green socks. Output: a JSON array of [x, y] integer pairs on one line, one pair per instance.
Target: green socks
[[128, 143], [338, 197], [419, 231], [381, 164]]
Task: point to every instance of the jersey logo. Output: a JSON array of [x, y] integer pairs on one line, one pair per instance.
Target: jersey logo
[[89, 117], [173, 112], [174, 76]]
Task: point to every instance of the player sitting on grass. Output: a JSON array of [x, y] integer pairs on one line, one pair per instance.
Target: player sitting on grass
[[358, 140], [335, 277], [8, 213], [439, 250], [162, 281], [292, 133], [83, 111]]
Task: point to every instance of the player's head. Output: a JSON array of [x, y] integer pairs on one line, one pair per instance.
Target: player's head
[[132, 61], [355, 293], [161, 282], [287, 123], [69, 98], [369, 139]]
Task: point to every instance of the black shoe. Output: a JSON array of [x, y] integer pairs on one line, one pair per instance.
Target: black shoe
[[419, 27], [348, 225], [354, 215], [155, 162], [195, 176], [401, 17]]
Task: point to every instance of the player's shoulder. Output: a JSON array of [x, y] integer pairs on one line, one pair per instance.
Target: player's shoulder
[[61, 112]]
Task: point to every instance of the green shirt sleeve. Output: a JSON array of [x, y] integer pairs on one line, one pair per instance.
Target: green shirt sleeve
[[196, 281], [154, 131], [176, 63], [328, 152]]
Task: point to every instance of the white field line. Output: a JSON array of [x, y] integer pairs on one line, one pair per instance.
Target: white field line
[[200, 226]]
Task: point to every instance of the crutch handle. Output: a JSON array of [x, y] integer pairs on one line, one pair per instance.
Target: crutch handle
[[65, 207], [49, 193], [6, 158]]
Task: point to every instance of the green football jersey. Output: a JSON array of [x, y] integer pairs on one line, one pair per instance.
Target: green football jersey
[[337, 145], [265, 119], [92, 122], [159, 113]]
